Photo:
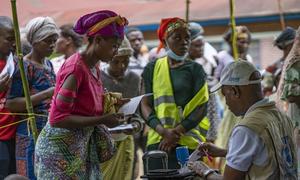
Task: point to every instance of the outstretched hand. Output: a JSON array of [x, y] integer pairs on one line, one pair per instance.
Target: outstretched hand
[[113, 120], [170, 140], [211, 149], [121, 102]]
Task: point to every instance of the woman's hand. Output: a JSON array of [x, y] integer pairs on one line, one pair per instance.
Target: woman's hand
[[170, 139], [112, 120], [121, 102]]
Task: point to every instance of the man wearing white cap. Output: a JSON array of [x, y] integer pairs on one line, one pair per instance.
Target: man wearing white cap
[[261, 144]]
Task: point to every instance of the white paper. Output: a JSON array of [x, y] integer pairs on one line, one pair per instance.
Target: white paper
[[121, 128], [131, 106], [195, 156], [9, 67]]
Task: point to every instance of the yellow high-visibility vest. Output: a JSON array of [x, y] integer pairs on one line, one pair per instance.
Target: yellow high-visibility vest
[[167, 111]]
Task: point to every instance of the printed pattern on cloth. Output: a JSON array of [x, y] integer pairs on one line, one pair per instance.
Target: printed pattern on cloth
[[39, 79]]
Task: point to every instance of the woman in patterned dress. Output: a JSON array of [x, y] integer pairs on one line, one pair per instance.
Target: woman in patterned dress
[[42, 35], [74, 141]]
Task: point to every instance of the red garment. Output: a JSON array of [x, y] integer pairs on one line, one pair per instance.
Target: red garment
[[88, 97], [10, 131], [164, 26]]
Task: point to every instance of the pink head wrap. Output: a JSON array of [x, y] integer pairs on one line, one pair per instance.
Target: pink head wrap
[[105, 23]]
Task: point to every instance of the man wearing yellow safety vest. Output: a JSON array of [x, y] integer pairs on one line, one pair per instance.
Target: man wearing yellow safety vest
[[176, 113]]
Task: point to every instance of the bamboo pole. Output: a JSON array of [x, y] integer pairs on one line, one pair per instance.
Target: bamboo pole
[[187, 10], [282, 22], [233, 35], [19, 54]]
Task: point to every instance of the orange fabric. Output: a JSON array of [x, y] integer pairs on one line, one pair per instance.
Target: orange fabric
[[122, 21]]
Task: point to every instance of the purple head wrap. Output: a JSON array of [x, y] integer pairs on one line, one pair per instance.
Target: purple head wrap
[[88, 21]]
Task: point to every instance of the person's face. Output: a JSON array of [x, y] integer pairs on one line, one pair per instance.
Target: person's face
[[106, 48], [196, 48], [243, 45], [7, 41], [136, 40], [233, 99], [118, 65], [179, 41], [45, 47], [61, 44]]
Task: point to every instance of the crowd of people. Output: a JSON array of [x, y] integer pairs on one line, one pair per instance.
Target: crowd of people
[[80, 75]]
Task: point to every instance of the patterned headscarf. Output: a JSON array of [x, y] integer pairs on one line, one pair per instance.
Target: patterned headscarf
[[167, 26], [105, 23], [40, 28]]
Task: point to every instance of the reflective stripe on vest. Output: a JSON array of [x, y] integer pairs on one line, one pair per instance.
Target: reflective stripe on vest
[[163, 99], [167, 111]]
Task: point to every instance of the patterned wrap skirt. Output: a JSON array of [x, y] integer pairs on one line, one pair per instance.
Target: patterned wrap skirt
[[72, 154]]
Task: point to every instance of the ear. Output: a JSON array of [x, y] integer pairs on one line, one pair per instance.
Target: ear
[[236, 92]]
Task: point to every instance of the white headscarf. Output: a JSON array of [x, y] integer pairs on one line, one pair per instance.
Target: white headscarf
[[40, 28]]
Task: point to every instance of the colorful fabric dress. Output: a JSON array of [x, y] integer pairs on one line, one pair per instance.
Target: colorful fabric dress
[[73, 153], [39, 78]]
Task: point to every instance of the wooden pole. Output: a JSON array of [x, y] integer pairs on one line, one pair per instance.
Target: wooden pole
[[19, 54], [187, 10], [282, 22], [233, 35]]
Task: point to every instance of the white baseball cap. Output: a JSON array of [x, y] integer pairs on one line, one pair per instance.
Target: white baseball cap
[[237, 73]]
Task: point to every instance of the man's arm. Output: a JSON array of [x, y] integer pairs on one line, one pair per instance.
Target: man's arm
[[212, 150], [207, 173], [233, 174]]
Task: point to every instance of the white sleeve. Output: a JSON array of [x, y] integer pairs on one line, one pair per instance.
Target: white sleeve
[[244, 148], [209, 53]]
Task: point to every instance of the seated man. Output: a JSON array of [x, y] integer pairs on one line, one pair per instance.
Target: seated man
[[261, 144]]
